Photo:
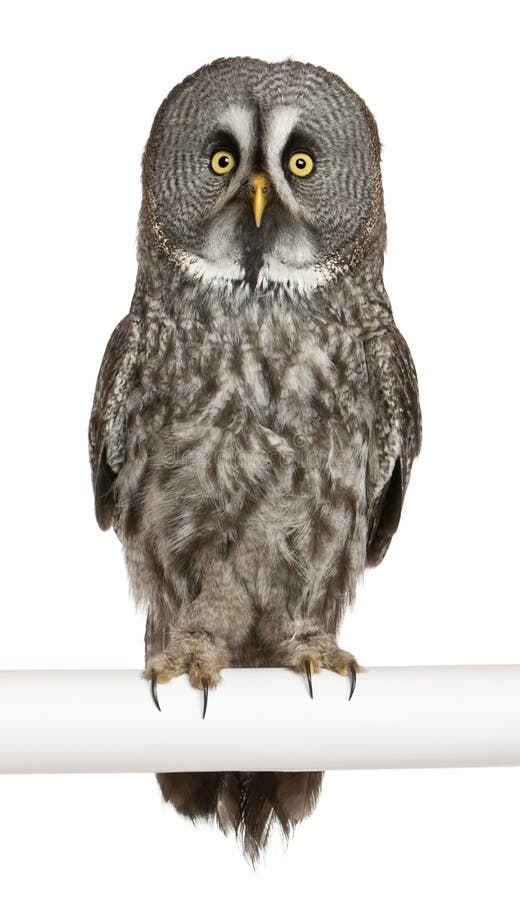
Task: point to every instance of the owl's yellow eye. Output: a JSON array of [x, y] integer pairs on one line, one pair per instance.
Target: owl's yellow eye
[[301, 164], [222, 162]]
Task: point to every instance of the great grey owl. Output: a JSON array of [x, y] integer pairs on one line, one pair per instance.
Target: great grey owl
[[256, 414]]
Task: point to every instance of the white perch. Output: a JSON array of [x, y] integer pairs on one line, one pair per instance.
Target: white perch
[[260, 719]]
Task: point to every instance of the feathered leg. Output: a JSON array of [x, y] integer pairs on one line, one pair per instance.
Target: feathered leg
[[201, 638]]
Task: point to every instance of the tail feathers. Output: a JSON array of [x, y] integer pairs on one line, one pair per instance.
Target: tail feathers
[[194, 794], [274, 798], [248, 803]]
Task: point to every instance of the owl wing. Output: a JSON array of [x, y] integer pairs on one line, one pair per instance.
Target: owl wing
[[107, 428], [396, 434]]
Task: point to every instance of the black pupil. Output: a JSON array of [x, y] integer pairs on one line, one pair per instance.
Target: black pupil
[[300, 163], [223, 162]]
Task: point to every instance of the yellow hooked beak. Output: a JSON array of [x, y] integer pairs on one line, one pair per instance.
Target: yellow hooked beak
[[259, 195]]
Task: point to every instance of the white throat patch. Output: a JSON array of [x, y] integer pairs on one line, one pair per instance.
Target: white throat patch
[[229, 274]]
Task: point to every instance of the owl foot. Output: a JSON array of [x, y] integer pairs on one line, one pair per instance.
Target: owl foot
[[311, 651], [352, 672], [196, 652]]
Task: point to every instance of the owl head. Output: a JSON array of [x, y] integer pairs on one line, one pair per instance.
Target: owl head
[[262, 173]]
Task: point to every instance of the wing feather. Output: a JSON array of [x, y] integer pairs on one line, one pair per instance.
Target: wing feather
[[396, 434], [107, 428]]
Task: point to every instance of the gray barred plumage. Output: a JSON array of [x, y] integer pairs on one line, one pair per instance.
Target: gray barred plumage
[[256, 414]]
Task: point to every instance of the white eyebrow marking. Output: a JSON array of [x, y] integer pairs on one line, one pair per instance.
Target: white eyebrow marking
[[240, 121], [279, 126]]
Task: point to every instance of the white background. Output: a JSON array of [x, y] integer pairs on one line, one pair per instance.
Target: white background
[[80, 85]]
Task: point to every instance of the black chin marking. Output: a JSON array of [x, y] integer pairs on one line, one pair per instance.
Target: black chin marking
[[252, 260], [256, 241]]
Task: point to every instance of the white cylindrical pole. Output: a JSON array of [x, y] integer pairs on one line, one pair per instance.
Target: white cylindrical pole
[[260, 719]]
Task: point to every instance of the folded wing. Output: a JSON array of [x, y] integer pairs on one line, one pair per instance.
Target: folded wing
[[396, 435], [107, 429]]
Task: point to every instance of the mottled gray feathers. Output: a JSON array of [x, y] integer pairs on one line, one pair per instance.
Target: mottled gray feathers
[[256, 415]]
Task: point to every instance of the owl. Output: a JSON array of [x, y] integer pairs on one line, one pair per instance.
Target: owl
[[256, 414]]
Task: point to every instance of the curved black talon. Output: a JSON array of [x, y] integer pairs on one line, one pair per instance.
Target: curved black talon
[[309, 677], [154, 691], [352, 670], [205, 692]]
